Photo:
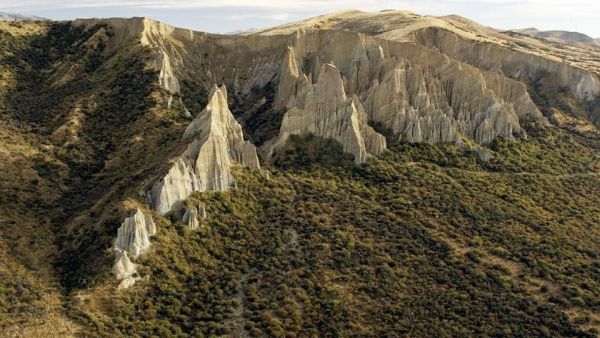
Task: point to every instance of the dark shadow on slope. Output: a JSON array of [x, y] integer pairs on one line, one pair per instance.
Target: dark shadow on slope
[[67, 69], [309, 151]]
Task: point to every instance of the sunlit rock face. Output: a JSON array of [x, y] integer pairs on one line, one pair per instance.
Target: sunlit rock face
[[133, 237], [124, 270], [441, 104], [134, 234], [526, 66], [324, 109], [216, 144], [190, 218], [177, 185], [418, 94]]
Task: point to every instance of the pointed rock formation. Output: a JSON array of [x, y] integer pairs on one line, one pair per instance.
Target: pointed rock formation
[[177, 185], [201, 211], [216, 144], [190, 218], [134, 234], [168, 81], [288, 78], [417, 93], [324, 109], [124, 270], [166, 77]]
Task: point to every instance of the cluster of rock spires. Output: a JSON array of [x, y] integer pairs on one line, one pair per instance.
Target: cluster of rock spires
[[421, 99], [216, 143], [413, 89], [133, 239], [324, 109]]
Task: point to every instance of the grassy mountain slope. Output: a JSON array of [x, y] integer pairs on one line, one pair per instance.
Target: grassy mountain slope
[[426, 240], [30, 296], [71, 112]]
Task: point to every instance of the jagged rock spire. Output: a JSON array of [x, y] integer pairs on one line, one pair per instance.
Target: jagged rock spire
[[190, 218], [134, 234], [216, 144], [325, 110], [288, 77], [133, 237], [123, 267]]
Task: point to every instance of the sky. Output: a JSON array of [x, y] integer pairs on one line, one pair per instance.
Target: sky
[[223, 16]]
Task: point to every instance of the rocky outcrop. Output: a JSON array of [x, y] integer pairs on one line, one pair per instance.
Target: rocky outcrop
[[201, 211], [485, 155], [134, 234], [527, 67], [514, 55], [124, 269], [418, 94], [324, 109], [166, 76], [169, 82], [190, 218], [133, 237], [177, 185], [442, 102], [216, 145]]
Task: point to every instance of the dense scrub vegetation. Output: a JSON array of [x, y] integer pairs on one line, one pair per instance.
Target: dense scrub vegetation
[[425, 241], [257, 114], [29, 288]]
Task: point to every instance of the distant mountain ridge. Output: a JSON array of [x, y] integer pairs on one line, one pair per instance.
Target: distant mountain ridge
[[559, 36], [15, 17]]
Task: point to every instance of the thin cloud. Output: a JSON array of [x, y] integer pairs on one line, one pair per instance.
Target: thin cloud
[[175, 4], [273, 16], [576, 15]]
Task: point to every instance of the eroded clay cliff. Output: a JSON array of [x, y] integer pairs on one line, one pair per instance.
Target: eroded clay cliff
[[133, 239], [324, 109], [134, 234], [216, 144], [332, 83]]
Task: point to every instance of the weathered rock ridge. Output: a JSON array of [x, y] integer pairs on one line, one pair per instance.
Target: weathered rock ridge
[[422, 96], [325, 110], [415, 91], [583, 84], [216, 145], [514, 55]]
